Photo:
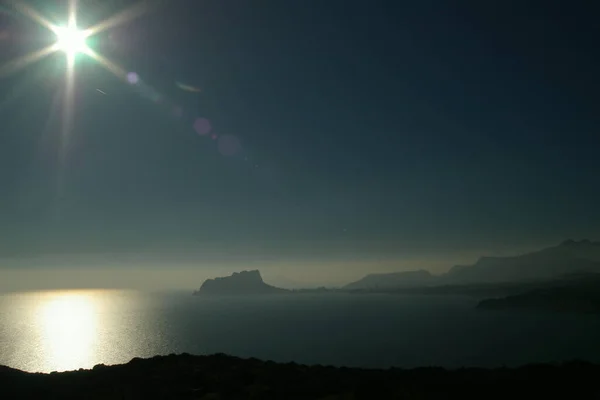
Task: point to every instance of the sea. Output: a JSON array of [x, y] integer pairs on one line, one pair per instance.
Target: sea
[[67, 330]]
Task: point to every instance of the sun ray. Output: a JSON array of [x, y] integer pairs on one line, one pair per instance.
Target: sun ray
[[21, 62], [71, 47], [68, 104], [116, 69], [31, 13], [126, 15], [72, 13], [67, 123]]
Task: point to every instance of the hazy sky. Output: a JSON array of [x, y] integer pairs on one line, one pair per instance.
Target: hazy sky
[[343, 130]]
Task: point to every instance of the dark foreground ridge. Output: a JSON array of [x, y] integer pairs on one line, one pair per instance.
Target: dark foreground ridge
[[224, 377]]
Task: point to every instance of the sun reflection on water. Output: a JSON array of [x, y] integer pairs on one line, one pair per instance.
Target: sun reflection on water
[[69, 330]]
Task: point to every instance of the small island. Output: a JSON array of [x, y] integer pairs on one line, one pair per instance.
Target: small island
[[238, 283]]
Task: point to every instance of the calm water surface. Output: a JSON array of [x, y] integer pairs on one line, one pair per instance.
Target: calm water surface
[[65, 330]]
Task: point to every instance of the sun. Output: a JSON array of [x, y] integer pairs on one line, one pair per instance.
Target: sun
[[70, 39]]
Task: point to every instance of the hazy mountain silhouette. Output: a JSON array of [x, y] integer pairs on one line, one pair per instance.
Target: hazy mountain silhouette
[[393, 280], [244, 282], [575, 293], [568, 257]]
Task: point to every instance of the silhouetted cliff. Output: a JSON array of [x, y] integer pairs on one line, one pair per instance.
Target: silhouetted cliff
[[245, 282]]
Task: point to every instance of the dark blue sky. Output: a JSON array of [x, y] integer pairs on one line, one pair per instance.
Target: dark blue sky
[[365, 127]]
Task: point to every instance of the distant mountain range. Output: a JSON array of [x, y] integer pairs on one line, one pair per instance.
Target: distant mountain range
[[488, 273], [393, 280], [565, 277], [568, 257]]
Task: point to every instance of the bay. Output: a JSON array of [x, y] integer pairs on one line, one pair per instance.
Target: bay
[[66, 330]]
